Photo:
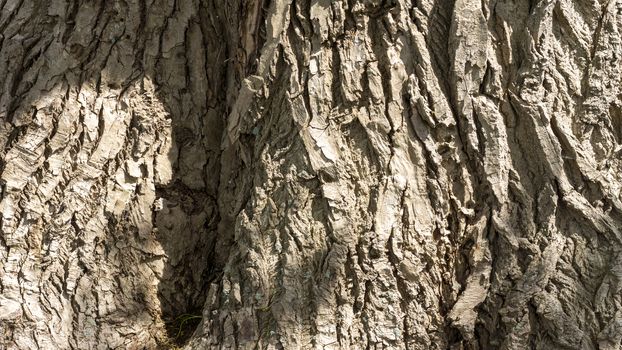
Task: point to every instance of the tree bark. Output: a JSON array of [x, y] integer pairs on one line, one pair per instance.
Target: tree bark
[[302, 174]]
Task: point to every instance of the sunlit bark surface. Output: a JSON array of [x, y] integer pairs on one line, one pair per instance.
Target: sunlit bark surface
[[310, 174]]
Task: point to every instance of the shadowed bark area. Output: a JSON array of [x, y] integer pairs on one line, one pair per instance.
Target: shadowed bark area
[[112, 114], [302, 174]]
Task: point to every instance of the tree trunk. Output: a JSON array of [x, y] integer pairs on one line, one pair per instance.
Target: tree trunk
[[310, 174]]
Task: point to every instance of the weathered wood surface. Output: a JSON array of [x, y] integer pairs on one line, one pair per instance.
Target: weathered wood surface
[[311, 174]]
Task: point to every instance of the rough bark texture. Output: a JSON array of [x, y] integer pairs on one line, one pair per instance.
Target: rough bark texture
[[345, 174]]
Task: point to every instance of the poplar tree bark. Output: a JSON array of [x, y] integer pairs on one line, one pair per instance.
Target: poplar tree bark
[[311, 174]]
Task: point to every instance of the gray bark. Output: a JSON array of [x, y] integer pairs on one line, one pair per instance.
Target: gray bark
[[310, 174]]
